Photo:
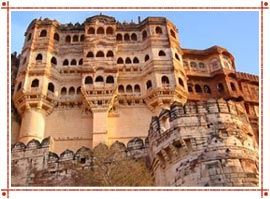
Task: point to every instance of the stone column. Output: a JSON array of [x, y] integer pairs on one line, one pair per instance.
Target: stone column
[[33, 125], [100, 128]]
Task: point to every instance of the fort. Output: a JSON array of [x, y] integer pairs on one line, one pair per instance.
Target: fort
[[79, 86]]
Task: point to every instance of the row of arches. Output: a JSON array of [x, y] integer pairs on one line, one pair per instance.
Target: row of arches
[[100, 53], [207, 89], [126, 37], [90, 54], [73, 62], [51, 88], [198, 89], [194, 65], [74, 38], [100, 31], [56, 37], [134, 37], [70, 91], [120, 60], [128, 60], [129, 89], [89, 80]]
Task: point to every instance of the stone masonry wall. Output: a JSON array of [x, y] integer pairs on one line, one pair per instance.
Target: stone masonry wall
[[204, 144], [35, 164]]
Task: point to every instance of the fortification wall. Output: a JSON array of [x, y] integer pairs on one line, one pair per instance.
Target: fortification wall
[[35, 164], [204, 144]]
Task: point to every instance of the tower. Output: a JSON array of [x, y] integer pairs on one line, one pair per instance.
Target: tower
[[165, 75], [35, 94]]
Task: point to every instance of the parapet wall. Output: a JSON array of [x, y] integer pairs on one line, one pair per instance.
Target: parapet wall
[[35, 158]]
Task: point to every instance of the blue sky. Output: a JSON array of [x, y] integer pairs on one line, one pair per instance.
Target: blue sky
[[237, 31]]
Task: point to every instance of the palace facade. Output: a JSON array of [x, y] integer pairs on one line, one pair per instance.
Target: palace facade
[[102, 81]]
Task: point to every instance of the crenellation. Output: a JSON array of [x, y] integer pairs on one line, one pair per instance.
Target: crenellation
[[223, 139]]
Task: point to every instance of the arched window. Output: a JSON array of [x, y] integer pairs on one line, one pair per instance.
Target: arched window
[[51, 87], [128, 60], [100, 54], [79, 90], [198, 88], [144, 35], [190, 89], [53, 61], [121, 89], [56, 37], [99, 79], [88, 80], [35, 83], [119, 37], [65, 62], [201, 65], [176, 56], [19, 86], [71, 91], [90, 54], [68, 39], [24, 60], [161, 53], [180, 81], [148, 84], [220, 87], [29, 36], [109, 31], [82, 38], [233, 86], [81, 62], [158, 30], [137, 89], [73, 62], [63, 91], [146, 58], [75, 38], [43, 33], [120, 60], [134, 37], [100, 31], [172, 33], [165, 80], [91, 31], [109, 53], [206, 89], [136, 60], [39, 57], [126, 37], [129, 89], [193, 64], [109, 80]]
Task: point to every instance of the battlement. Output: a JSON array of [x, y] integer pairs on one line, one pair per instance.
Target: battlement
[[37, 158], [185, 139]]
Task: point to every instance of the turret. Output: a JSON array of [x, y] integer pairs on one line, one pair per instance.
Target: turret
[[35, 91]]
